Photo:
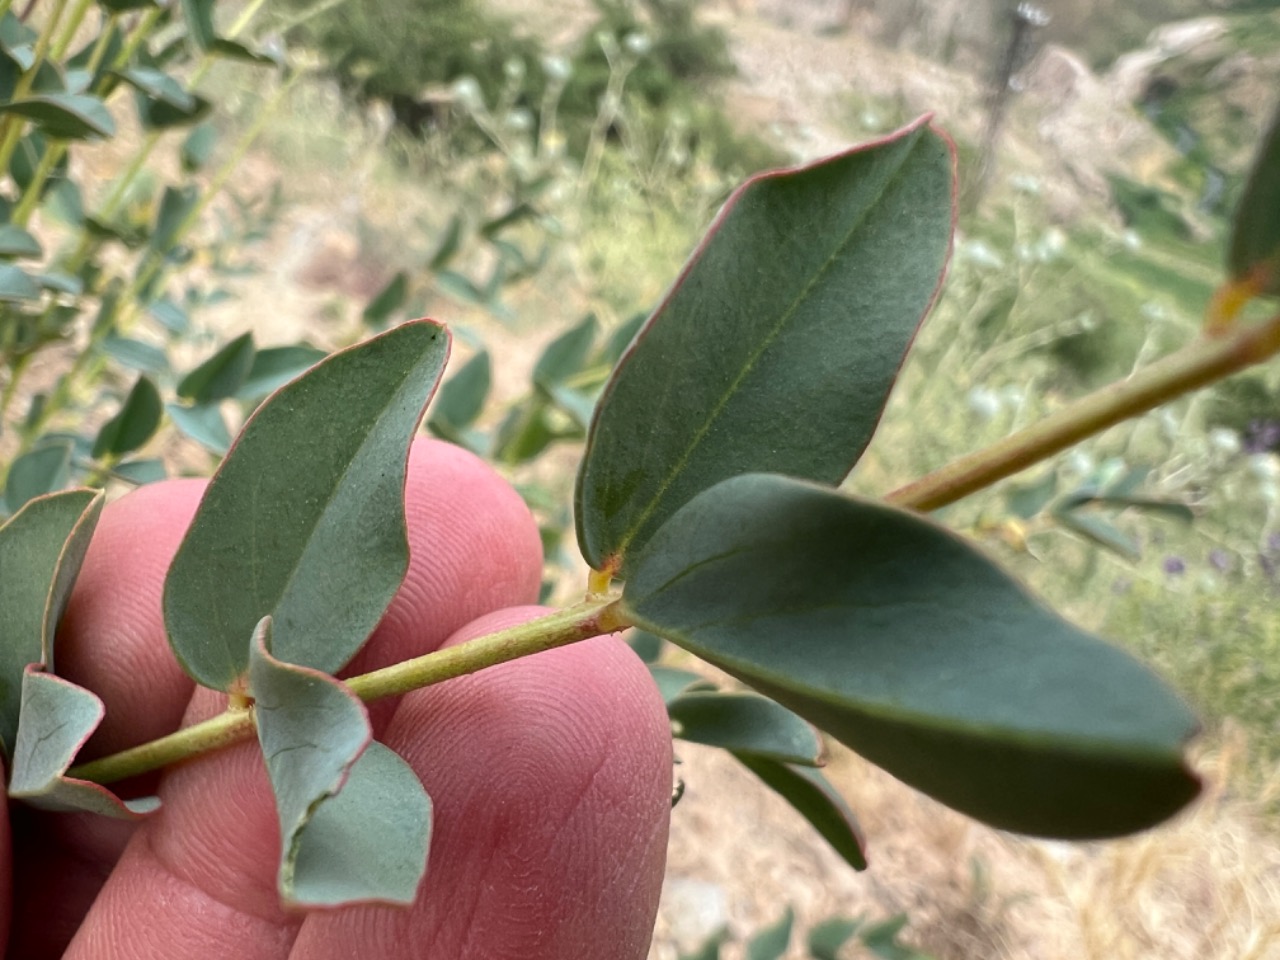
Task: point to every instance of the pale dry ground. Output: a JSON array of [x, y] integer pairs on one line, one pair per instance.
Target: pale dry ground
[[1205, 886]]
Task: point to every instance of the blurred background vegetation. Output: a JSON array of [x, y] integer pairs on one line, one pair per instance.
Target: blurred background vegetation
[[202, 201]]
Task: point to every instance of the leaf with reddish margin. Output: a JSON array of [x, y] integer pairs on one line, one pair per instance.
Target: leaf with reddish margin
[[304, 521], [776, 348], [42, 547], [57, 718], [355, 822], [910, 646]]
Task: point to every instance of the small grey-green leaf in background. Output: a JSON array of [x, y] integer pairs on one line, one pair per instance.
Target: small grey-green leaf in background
[[673, 682], [221, 375], [273, 367], [203, 423], [387, 300], [771, 943], [910, 646], [41, 549], [176, 205], [814, 798], [746, 723], [57, 718], [17, 242], [566, 354], [134, 425], [197, 148], [136, 354], [65, 116], [461, 398], [826, 938], [43, 469], [304, 520], [17, 285]]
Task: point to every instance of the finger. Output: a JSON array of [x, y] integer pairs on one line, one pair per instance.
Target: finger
[[550, 779], [112, 642], [472, 543]]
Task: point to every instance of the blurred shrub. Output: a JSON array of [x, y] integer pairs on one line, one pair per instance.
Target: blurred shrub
[[398, 50]]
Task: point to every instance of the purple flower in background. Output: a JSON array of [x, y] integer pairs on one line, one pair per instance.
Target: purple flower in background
[[1174, 566], [1273, 543], [1261, 436], [1220, 560]]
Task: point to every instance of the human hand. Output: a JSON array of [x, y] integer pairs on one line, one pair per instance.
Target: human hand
[[550, 776]]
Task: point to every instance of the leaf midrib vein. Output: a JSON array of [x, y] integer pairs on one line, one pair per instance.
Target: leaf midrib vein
[[683, 461]]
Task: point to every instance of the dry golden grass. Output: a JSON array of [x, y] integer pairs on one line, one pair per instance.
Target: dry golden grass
[[1205, 886]]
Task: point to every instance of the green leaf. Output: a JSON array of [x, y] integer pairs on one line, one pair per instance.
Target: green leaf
[[566, 354], [170, 316], [134, 425], [461, 398], [140, 472], [881, 940], [41, 549], [198, 147], [17, 285], [525, 432], [746, 723], [57, 718], [815, 799], [60, 282], [65, 202], [710, 948], [17, 242], [175, 207], [353, 830], [620, 339], [672, 682], [273, 367], [304, 520], [826, 938], [912, 648], [157, 85], [1099, 532], [772, 942], [199, 18], [222, 375], [1254, 251], [203, 424], [579, 406], [450, 242], [65, 116], [388, 300], [1027, 500], [647, 646], [455, 285], [234, 50], [41, 470], [136, 354], [1170, 509], [776, 348]]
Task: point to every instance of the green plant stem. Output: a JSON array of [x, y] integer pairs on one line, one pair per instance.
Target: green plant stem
[[88, 356], [12, 124], [1207, 360], [69, 30], [592, 618]]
